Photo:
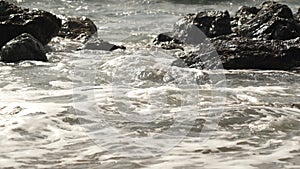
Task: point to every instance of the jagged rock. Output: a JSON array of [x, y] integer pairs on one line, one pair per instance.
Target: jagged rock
[[15, 20], [23, 47], [263, 38], [98, 44], [243, 53], [78, 28], [195, 27], [243, 15], [273, 21], [246, 54]]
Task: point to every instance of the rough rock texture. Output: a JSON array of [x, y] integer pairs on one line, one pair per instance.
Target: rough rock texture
[[273, 21], [79, 28], [262, 38], [244, 53], [23, 47], [15, 21], [211, 23], [243, 15]]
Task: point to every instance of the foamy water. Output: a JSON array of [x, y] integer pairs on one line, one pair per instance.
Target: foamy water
[[132, 109]]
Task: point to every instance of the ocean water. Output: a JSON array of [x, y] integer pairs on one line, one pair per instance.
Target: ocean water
[[132, 109]]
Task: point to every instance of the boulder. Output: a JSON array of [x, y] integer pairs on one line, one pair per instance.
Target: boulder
[[78, 28], [15, 20], [272, 21], [208, 24], [262, 38], [23, 47], [244, 53], [243, 15]]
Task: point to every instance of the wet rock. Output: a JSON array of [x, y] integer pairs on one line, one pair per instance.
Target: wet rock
[[203, 56], [244, 15], [78, 28], [23, 47], [195, 27], [244, 53], [15, 20], [154, 75], [272, 21], [165, 37], [98, 44], [166, 41], [263, 38]]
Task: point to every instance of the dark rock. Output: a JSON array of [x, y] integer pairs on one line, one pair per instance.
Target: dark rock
[[23, 47], [209, 24], [243, 15], [98, 44], [263, 38], [244, 53], [15, 20], [165, 37], [166, 41], [7, 9], [273, 21], [78, 28]]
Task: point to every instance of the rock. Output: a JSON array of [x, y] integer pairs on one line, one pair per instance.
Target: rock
[[15, 20], [203, 56], [98, 44], [78, 28], [244, 15], [263, 38], [166, 41], [165, 37], [243, 53], [272, 21], [209, 23], [23, 47]]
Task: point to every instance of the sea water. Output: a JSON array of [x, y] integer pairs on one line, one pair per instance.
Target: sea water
[[132, 109]]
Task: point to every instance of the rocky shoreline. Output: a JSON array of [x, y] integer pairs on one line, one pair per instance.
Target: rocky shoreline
[[265, 37], [25, 33]]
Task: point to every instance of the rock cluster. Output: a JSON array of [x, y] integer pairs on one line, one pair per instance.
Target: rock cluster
[[80, 28], [267, 37], [24, 33], [15, 21]]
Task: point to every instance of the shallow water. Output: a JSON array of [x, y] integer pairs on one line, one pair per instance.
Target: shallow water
[[131, 109]]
